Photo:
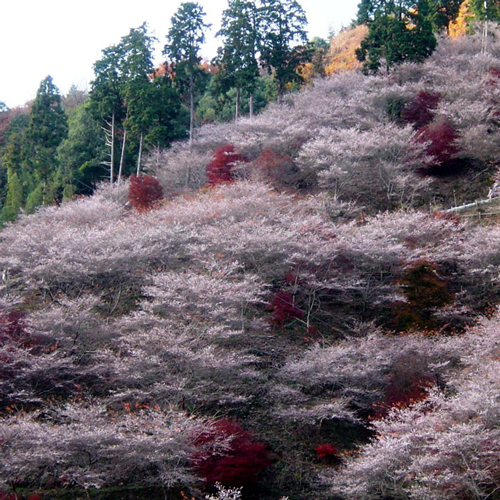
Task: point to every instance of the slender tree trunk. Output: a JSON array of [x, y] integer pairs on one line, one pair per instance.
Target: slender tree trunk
[[485, 28], [191, 111], [237, 105], [251, 105], [122, 156], [112, 157], [139, 158]]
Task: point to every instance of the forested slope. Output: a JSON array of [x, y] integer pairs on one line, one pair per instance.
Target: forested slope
[[296, 316]]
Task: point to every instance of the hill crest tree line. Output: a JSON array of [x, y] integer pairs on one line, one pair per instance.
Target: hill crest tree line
[[59, 147]]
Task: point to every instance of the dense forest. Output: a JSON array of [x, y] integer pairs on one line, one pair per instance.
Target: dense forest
[[259, 292]]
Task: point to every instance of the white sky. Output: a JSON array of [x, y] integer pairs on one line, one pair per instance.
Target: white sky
[[64, 38]]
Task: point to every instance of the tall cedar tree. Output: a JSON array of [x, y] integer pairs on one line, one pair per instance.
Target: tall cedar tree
[[283, 46], [184, 40], [47, 128], [135, 108], [397, 33], [106, 100], [82, 153], [136, 88], [237, 58]]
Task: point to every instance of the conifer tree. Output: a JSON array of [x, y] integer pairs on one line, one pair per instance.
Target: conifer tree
[[443, 13], [184, 40], [237, 58], [14, 198], [47, 128], [283, 47], [11, 161], [106, 101], [397, 32], [82, 153]]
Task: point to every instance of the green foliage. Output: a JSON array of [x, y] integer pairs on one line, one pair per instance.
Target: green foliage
[[136, 109], [184, 40], [81, 154], [485, 10], [237, 58], [283, 26], [396, 34], [14, 199], [444, 12], [47, 128], [218, 104]]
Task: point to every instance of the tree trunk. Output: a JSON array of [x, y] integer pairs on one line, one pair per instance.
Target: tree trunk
[[191, 111], [139, 158], [112, 159], [122, 156], [237, 105], [251, 105]]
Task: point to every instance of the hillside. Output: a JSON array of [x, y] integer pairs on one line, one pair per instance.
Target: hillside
[[301, 319]]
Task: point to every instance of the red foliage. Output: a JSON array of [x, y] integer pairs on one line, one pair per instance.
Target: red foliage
[[420, 111], [273, 166], [12, 325], [283, 309], [144, 192], [441, 137], [9, 496], [229, 455], [326, 450], [220, 168], [401, 393], [16, 496]]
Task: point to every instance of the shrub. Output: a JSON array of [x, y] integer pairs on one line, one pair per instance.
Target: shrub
[[420, 112], [425, 291], [12, 325], [440, 137], [404, 390], [326, 451], [283, 309], [220, 170], [229, 455], [144, 192], [281, 170]]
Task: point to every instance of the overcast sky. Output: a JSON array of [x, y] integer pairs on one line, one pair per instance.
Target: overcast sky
[[64, 38]]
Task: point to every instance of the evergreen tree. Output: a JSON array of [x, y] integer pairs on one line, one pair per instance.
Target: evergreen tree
[[485, 10], [106, 102], [443, 13], [14, 198], [11, 162], [166, 119], [237, 58], [137, 108], [82, 153], [283, 25], [397, 32], [136, 68], [184, 40], [47, 128]]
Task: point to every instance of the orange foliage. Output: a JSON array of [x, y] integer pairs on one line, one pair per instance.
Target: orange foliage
[[342, 56], [460, 26]]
